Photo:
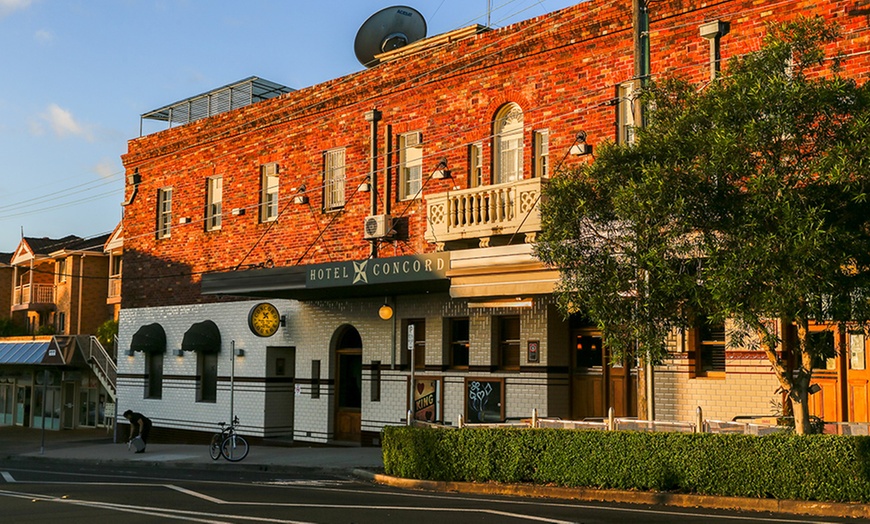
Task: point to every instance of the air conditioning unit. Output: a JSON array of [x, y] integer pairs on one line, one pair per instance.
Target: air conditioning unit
[[378, 226]]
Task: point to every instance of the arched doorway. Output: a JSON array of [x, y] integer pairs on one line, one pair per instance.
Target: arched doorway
[[348, 384]]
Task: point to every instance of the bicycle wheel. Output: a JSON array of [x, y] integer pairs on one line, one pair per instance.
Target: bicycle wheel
[[234, 448], [214, 449]]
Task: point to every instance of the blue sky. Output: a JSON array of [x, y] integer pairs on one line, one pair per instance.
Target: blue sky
[[78, 73]]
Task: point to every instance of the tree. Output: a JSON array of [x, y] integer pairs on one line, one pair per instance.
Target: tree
[[745, 199]]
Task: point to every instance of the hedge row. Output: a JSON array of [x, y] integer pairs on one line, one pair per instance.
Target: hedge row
[[783, 466]]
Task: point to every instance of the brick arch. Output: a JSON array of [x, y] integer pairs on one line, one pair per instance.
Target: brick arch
[[502, 99]]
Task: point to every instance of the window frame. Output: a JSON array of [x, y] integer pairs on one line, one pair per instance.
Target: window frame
[[709, 352], [334, 179], [475, 165], [206, 387], [542, 153], [509, 145], [410, 165], [454, 343], [214, 203], [60, 276], [270, 187], [164, 212], [508, 350], [154, 363]]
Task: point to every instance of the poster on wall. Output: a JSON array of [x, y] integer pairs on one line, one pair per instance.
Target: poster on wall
[[427, 403], [484, 401]]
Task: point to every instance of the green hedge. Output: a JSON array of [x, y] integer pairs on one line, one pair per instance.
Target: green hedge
[[784, 466]]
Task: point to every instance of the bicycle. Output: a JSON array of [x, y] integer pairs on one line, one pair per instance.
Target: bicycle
[[228, 443]]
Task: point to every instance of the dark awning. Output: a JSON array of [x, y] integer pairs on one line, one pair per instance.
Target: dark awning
[[149, 338], [203, 336], [379, 277]]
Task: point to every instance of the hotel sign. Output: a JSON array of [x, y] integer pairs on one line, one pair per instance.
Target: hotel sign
[[431, 266]]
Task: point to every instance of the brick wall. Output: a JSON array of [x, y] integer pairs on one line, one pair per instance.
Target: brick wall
[[570, 63]]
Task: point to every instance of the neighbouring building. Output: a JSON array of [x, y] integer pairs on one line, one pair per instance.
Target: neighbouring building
[[59, 376], [328, 261]]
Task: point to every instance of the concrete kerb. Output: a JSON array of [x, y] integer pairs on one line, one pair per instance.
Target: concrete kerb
[[795, 507]]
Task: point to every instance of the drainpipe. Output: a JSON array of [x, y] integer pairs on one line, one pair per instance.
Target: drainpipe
[[373, 117], [81, 281]]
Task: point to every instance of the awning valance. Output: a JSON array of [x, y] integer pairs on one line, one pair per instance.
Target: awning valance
[[149, 338], [204, 337]]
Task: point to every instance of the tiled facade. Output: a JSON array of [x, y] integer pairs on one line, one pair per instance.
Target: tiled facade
[[562, 70]]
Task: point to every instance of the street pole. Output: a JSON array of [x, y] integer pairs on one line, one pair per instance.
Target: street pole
[[44, 400], [232, 376]]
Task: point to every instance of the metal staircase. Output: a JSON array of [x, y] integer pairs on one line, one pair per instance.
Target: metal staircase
[[101, 362]]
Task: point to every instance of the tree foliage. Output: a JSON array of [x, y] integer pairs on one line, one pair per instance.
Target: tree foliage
[[743, 199]]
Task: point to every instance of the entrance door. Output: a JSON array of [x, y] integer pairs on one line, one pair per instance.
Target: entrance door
[[68, 416], [348, 386], [596, 385], [22, 406], [858, 378]]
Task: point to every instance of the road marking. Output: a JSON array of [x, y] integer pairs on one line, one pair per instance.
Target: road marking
[[195, 494], [7, 477]]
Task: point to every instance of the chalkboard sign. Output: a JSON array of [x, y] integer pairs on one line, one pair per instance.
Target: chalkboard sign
[[484, 401]]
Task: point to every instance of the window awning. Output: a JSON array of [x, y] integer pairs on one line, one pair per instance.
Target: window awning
[[204, 337], [30, 352], [149, 338]]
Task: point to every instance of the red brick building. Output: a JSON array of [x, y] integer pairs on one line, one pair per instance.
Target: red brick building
[[412, 184]]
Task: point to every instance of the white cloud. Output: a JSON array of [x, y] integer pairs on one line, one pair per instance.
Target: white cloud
[[43, 36], [10, 6], [63, 123], [106, 168]]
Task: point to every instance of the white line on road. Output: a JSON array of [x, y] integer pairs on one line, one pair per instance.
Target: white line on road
[[7, 477]]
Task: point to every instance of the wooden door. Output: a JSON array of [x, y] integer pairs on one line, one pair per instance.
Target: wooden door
[[596, 385], [348, 388], [857, 378]]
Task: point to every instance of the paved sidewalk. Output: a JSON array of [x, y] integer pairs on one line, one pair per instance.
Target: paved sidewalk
[[96, 446]]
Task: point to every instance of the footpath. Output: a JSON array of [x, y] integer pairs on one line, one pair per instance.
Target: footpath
[[95, 446]]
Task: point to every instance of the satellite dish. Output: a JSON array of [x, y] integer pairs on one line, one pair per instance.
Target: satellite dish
[[386, 30]]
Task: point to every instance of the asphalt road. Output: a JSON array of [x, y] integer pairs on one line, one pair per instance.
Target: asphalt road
[[39, 491]]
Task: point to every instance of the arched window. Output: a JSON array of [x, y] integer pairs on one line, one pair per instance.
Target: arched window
[[508, 148]]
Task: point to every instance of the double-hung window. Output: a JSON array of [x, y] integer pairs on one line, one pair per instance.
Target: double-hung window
[[542, 153], [410, 165], [214, 201], [509, 144], [333, 179], [164, 212], [475, 165], [709, 346], [268, 192]]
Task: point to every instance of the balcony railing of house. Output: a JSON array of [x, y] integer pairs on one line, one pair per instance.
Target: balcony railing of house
[[114, 286], [483, 212], [33, 294]]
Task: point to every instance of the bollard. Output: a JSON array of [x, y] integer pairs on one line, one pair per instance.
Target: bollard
[[534, 417], [459, 422], [410, 418], [611, 420], [699, 420]]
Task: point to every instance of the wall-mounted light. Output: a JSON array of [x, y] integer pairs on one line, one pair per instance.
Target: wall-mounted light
[[283, 321], [441, 170], [366, 186], [184, 220], [385, 312], [130, 352], [178, 352], [238, 211], [301, 198], [580, 146], [239, 352]]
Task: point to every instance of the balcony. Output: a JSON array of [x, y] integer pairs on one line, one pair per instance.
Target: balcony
[[114, 289], [31, 296], [485, 212]]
